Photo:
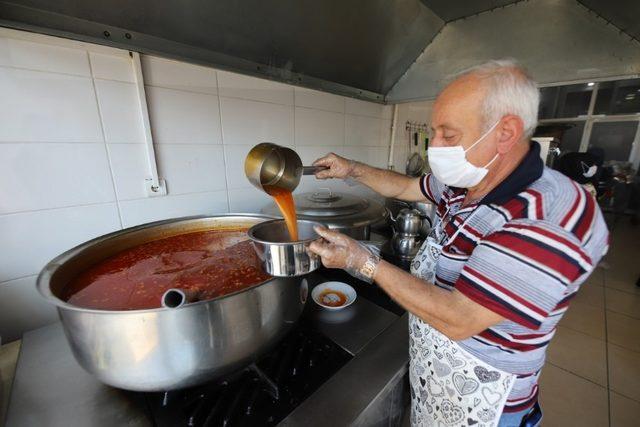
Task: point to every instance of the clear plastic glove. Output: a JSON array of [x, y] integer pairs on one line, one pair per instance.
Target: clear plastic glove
[[339, 251], [337, 167]]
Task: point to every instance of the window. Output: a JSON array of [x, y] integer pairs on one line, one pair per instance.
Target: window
[[548, 102], [573, 100], [615, 138], [565, 101], [621, 97], [602, 114]]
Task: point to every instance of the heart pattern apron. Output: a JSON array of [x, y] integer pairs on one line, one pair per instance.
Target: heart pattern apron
[[449, 386]]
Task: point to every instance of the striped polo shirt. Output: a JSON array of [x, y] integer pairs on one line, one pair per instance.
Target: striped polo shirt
[[522, 251]]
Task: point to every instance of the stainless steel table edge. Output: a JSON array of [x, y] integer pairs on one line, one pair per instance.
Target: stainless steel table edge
[[343, 399]]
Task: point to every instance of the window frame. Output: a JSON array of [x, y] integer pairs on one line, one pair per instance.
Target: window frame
[[590, 118]]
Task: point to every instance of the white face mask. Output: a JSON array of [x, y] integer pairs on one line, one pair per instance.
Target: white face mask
[[451, 167], [588, 171]]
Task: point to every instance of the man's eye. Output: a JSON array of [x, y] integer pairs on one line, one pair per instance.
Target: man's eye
[[449, 137]]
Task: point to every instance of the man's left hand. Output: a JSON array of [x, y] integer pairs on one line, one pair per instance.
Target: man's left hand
[[339, 251]]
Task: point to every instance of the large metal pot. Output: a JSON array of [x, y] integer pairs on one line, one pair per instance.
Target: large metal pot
[[169, 348], [347, 213]]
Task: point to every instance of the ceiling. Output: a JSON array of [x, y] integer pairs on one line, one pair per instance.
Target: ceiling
[[556, 40], [623, 14], [358, 48]]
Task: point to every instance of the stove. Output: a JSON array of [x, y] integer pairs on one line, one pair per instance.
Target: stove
[[262, 394], [359, 353]]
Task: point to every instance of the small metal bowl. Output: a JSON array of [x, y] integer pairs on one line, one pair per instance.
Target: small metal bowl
[[281, 257]]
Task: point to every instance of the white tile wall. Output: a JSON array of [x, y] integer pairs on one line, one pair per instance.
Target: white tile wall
[[183, 117], [40, 176], [364, 108], [120, 111], [308, 154], [247, 200], [374, 156], [363, 131], [234, 156], [129, 169], [251, 122], [317, 127], [31, 239], [191, 168], [178, 75], [39, 106], [43, 57], [419, 112], [73, 162], [140, 211], [113, 66], [245, 87], [320, 100]]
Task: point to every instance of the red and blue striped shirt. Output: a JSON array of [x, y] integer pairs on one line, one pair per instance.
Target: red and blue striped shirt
[[523, 251]]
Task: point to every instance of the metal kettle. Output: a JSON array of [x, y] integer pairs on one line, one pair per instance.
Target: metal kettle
[[408, 221], [269, 165], [406, 240], [405, 246]]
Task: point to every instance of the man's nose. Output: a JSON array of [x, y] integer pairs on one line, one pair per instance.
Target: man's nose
[[437, 142]]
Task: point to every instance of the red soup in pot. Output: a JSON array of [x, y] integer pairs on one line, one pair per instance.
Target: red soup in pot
[[210, 263]]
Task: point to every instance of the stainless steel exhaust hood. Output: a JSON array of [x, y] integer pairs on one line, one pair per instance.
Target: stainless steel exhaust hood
[[358, 48]]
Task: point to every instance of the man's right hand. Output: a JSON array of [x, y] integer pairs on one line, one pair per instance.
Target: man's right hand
[[337, 167], [384, 182]]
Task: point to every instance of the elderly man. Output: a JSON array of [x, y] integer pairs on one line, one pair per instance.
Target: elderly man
[[512, 243]]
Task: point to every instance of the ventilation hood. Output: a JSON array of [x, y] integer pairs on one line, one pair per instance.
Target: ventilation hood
[[379, 50]]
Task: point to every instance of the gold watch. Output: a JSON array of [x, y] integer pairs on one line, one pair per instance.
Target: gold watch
[[368, 269]]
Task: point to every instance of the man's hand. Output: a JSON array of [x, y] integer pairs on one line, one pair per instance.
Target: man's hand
[[337, 167], [339, 251]]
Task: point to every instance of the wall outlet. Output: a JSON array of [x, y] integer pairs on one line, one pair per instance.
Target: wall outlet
[[153, 190]]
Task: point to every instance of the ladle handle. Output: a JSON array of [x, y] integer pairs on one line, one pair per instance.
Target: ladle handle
[[311, 170]]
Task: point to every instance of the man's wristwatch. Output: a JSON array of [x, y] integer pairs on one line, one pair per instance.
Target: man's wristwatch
[[368, 269]]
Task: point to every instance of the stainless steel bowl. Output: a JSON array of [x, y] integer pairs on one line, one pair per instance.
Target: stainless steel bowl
[[280, 256], [169, 348]]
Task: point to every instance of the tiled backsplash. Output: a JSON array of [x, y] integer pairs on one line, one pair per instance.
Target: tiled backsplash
[[72, 159], [416, 112]]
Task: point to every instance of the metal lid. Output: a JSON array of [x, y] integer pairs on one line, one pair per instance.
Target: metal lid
[[334, 208], [327, 203]]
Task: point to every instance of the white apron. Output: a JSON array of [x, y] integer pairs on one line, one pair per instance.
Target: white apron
[[449, 386]]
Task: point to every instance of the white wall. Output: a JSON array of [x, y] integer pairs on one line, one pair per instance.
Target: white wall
[[72, 161], [417, 112]]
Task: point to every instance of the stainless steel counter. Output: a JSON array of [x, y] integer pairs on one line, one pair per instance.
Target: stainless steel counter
[[51, 389], [347, 397]]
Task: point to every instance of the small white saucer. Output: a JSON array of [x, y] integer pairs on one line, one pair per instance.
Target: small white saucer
[[324, 289]]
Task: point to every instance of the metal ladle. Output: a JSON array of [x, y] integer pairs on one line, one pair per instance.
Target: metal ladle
[[270, 165]]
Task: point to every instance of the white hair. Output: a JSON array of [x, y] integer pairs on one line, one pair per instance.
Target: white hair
[[510, 90]]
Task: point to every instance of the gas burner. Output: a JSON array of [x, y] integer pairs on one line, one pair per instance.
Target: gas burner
[[262, 394]]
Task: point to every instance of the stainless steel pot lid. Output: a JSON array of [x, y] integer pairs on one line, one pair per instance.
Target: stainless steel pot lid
[[328, 203], [334, 208]]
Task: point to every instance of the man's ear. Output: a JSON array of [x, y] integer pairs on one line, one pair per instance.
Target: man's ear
[[511, 130]]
